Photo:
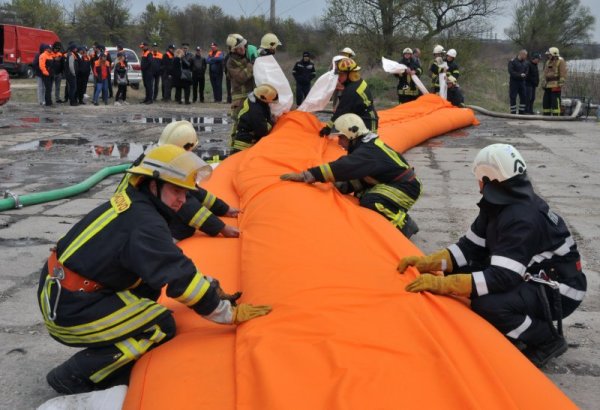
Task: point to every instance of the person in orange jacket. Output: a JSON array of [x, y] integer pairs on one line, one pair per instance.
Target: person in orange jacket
[[45, 63], [102, 76]]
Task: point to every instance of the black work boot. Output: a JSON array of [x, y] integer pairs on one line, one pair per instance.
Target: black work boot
[[540, 354], [410, 227], [65, 380]]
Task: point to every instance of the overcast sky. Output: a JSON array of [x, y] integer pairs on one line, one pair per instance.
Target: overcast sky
[[307, 10]]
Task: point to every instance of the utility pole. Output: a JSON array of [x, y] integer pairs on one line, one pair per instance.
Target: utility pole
[[272, 16]]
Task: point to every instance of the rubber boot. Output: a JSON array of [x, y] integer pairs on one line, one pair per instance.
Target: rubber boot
[[66, 379], [540, 354], [410, 227]]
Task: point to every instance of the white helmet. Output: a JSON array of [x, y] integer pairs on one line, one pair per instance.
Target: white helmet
[[407, 50], [235, 40], [438, 49], [348, 51], [350, 125], [270, 41], [451, 53], [553, 51], [498, 162], [180, 133]]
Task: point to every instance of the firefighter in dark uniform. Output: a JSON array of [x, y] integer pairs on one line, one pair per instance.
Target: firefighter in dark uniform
[[99, 287], [438, 66], [84, 68], [531, 82], [254, 119], [304, 73], [268, 45], [201, 208], [407, 89], [356, 98], [453, 69], [379, 176], [156, 69], [147, 73], [518, 69], [524, 266], [166, 66]]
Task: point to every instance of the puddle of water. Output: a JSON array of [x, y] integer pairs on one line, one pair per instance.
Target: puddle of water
[[131, 151], [48, 144], [38, 120]]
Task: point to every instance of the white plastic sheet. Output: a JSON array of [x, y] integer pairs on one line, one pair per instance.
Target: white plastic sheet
[[393, 67], [109, 399], [443, 86], [320, 93], [267, 70]]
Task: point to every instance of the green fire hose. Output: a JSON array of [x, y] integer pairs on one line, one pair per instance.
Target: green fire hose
[[13, 201]]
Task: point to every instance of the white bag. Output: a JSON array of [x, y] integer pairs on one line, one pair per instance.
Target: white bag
[[267, 70], [320, 93]]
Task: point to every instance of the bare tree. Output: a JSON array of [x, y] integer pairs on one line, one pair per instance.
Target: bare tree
[[538, 24], [382, 21]]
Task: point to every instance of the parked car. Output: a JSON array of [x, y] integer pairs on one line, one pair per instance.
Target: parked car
[[133, 62], [4, 87], [19, 45]]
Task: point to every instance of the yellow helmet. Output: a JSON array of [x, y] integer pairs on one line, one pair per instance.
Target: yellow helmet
[[347, 65], [270, 41], [235, 40], [180, 133], [173, 164], [266, 93], [553, 51], [351, 126], [407, 50]]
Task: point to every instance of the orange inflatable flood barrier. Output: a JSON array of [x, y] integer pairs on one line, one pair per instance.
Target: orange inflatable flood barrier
[[343, 333]]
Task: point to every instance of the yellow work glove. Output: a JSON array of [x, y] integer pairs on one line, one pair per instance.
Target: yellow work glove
[[438, 261], [459, 284], [244, 312]]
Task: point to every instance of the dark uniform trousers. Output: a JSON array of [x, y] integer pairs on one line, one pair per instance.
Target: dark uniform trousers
[[148, 79], [302, 90], [517, 88], [509, 310]]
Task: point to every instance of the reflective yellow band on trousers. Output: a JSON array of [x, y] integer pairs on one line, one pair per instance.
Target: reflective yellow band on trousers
[[134, 315], [393, 194], [131, 350], [241, 145], [397, 219]]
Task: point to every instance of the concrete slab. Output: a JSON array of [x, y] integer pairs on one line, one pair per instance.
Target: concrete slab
[[74, 207], [16, 310], [49, 228], [19, 262]]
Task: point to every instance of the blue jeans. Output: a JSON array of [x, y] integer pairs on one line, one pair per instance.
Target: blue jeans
[[101, 86]]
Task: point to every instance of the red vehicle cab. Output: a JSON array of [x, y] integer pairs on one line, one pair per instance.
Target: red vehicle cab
[[19, 45], [4, 87]]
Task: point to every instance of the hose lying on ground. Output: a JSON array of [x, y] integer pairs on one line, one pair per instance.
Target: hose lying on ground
[[12, 201], [572, 117]]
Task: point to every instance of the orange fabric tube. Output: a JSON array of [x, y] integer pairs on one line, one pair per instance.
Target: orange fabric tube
[[343, 333]]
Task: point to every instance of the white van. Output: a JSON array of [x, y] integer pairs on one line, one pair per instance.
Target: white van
[[135, 68]]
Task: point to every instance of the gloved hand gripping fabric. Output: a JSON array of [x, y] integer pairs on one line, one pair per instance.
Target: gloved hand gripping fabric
[[438, 261]]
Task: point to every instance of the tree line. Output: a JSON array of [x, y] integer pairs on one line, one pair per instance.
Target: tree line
[[372, 27]]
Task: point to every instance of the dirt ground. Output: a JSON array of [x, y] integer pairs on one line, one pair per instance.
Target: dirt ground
[[48, 148]]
